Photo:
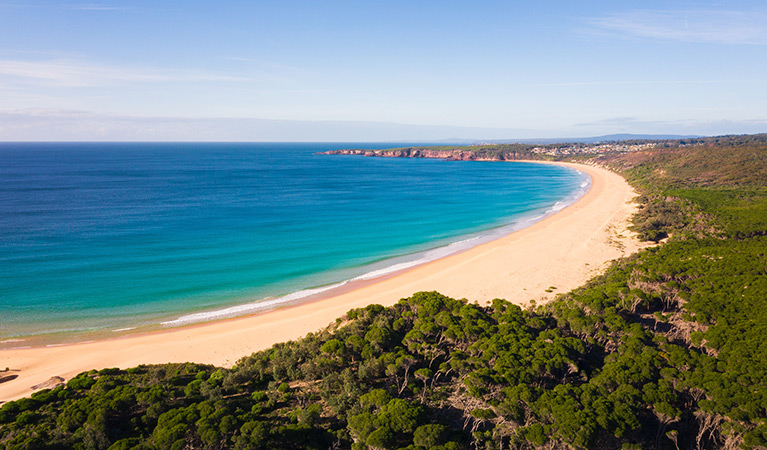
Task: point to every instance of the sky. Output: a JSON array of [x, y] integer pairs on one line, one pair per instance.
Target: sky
[[379, 70]]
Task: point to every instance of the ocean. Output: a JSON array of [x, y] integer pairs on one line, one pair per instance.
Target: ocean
[[98, 239]]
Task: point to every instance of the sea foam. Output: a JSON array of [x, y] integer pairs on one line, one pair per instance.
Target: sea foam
[[391, 266]]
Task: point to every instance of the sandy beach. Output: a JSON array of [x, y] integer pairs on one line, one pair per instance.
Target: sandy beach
[[552, 256]]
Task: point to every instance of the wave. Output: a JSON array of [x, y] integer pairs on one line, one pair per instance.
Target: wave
[[272, 303], [259, 306], [391, 266], [428, 256]]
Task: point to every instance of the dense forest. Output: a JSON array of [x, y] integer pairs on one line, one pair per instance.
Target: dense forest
[[666, 350]]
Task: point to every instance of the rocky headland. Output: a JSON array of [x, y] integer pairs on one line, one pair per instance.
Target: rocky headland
[[453, 154]]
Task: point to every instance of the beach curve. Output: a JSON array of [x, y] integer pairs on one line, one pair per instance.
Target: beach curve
[[554, 255]]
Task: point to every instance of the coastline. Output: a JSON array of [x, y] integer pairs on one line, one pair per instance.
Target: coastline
[[563, 250], [379, 271], [334, 283]]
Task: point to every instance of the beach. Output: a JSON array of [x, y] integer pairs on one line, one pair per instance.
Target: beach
[[552, 256]]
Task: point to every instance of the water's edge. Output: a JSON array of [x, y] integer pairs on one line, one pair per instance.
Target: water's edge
[[371, 273], [388, 267]]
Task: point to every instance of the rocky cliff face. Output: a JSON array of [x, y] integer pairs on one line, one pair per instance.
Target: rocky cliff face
[[454, 154]]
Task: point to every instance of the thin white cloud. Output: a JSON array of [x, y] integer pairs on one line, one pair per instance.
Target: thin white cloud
[[642, 82], [681, 126], [79, 125], [695, 26], [67, 125], [65, 73], [46, 113]]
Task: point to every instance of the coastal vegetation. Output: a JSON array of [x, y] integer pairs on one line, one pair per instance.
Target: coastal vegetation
[[488, 152], [663, 351]]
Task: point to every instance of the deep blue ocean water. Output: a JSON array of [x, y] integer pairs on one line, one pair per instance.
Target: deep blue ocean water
[[99, 237]]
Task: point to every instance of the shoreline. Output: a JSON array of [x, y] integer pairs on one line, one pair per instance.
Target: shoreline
[[243, 307], [563, 250], [389, 267]]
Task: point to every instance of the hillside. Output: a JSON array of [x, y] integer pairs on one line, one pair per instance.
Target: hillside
[[666, 350]]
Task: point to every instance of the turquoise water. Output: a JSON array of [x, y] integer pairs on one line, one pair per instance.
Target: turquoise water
[[100, 237]]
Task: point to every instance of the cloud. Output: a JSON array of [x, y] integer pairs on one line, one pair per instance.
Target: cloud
[[615, 120], [637, 82], [75, 125], [695, 26], [688, 127], [67, 73]]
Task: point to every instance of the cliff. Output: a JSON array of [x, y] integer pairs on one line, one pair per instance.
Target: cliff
[[483, 153]]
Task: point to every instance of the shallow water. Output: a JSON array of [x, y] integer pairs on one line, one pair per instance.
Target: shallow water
[[101, 237]]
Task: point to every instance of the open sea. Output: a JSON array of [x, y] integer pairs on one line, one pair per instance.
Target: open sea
[[98, 239]]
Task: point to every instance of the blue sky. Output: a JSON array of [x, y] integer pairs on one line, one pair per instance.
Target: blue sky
[[364, 70]]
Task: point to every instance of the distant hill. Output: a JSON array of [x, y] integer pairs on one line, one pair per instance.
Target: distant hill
[[581, 140]]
